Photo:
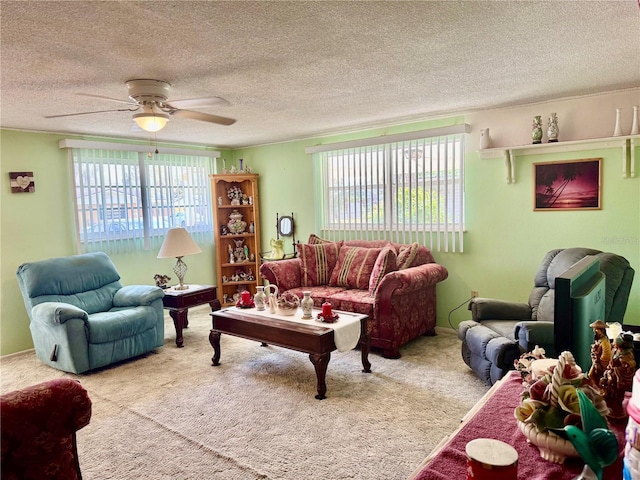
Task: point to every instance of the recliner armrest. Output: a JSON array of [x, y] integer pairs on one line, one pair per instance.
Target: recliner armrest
[[56, 313], [137, 295], [491, 309], [532, 333]]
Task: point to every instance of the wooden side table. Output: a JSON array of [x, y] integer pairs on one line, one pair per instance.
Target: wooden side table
[[178, 303]]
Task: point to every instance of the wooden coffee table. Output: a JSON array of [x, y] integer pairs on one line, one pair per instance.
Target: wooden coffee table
[[314, 338]]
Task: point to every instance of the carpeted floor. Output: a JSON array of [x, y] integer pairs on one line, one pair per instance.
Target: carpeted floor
[[171, 415]]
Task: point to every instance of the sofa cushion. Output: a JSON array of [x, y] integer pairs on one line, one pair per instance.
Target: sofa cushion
[[353, 300], [317, 262], [385, 263], [319, 294], [354, 267], [406, 255]]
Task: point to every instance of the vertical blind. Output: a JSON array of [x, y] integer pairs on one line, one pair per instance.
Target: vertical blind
[[407, 191], [127, 200]]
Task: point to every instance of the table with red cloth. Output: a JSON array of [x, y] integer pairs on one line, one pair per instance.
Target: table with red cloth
[[494, 419]]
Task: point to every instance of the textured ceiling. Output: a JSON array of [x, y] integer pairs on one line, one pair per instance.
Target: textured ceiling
[[294, 70]]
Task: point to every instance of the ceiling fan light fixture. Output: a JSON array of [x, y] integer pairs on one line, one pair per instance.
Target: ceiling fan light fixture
[[151, 121]]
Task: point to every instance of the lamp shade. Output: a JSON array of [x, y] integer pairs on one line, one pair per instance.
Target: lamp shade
[[178, 243], [152, 119]]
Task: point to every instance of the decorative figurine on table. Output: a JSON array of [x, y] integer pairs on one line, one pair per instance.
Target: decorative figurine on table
[[232, 258], [600, 351], [161, 280], [595, 443], [618, 376]]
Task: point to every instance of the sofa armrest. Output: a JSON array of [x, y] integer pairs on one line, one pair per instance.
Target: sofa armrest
[[137, 295], [492, 309], [532, 333], [411, 279], [285, 274], [38, 429], [56, 313]]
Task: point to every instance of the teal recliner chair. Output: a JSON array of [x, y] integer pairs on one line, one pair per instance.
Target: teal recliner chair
[[82, 318]]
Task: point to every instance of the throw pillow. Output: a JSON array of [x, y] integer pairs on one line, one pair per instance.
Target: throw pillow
[[318, 262], [407, 255], [354, 267], [315, 240], [385, 263]]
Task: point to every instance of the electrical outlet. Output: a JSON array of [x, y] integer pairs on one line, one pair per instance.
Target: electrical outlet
[[474, 293]]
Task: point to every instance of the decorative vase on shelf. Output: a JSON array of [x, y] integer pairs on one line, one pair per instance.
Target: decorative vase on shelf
[[617, 131], [485, 141], [307, 305], [635, 128], [236, 225], [536, 129], [552, 128]]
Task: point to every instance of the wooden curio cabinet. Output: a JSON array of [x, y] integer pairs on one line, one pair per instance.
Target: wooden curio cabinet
[[237, 234]]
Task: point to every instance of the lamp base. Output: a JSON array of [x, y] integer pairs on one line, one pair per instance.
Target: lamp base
[[180, 269]]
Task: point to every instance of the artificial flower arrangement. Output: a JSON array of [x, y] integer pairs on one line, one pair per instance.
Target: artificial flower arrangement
[[234, 193], [550, 401], [287, 303], [551, 412]]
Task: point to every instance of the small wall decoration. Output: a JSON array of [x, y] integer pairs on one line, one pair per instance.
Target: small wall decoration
[[22, 182], [570, 185]]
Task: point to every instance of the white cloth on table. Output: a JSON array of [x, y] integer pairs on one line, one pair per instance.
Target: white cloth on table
[[346, 331]]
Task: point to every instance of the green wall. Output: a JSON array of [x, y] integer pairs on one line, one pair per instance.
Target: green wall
[[504, 241]]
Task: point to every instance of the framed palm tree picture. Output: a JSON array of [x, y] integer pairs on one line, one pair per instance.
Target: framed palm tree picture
[[568, 185]]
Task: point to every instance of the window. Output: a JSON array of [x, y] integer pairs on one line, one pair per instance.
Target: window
[[404, 191], [127, 200]]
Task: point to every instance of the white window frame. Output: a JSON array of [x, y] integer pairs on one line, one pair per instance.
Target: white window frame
[[141, 192], [362, 185]]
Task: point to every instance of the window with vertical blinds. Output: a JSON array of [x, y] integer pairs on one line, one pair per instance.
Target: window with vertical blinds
[[127, 200], [405, 191]]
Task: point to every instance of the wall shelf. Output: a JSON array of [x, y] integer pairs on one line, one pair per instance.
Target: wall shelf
[[626, 142]]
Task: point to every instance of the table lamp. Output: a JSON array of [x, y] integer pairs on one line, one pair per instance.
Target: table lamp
[[178, 243]]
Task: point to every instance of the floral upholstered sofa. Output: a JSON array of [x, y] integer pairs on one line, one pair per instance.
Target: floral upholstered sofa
[[394, 284]]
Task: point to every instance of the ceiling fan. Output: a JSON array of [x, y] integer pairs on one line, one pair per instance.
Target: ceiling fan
[[151, 96]]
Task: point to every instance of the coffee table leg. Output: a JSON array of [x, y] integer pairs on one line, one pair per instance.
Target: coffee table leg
[[320, 362], [365, 346], [179, 321], [214, 340]]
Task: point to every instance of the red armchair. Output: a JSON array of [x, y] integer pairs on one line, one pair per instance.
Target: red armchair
[[39, 425]]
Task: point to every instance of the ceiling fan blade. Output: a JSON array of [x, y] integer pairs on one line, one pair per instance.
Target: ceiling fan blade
[[90, 113], [204, 117], [198, 102], [127, 102]]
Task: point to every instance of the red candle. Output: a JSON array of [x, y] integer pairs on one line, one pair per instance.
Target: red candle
[[326, 310], [246, 297]]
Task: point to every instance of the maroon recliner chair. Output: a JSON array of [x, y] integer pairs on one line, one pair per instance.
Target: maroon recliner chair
[[39, 425]]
